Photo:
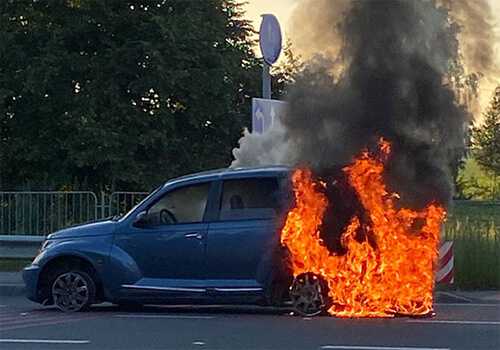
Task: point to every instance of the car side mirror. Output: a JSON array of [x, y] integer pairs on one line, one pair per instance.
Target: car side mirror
[[141, 219]]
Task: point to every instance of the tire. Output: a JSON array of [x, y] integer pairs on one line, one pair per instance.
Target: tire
[[309, 295], [72, 290]]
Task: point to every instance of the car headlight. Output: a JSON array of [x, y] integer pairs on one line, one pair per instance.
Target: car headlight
[[45, 245]]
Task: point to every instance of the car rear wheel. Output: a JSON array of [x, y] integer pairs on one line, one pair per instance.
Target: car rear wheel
[[309, 295], [73, 291]]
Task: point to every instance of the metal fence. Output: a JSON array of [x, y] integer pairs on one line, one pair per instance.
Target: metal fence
[[41, 213], [121, 202]]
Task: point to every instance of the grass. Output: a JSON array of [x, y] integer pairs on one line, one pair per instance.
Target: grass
[[13, 264], [475, 229]]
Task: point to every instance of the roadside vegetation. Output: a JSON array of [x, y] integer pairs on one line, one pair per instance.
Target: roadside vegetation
[[474, 221], [13, 264], [474, 227]]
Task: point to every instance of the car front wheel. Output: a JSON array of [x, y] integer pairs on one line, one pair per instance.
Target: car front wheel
[[73, 291]]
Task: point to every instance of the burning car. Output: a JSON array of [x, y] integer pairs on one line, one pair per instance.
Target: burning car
[[255, 235], [210, 237]]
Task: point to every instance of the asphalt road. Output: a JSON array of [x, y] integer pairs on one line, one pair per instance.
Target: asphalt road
[[24, 325]]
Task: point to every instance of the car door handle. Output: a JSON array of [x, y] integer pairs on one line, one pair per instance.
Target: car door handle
[[194, 235]]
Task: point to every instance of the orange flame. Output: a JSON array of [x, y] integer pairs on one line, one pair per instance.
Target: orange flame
[[396, 276]]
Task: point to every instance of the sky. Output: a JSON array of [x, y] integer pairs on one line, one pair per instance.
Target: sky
[[283, 9]]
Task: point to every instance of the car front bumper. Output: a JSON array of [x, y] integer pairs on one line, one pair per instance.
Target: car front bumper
[[30, 276]]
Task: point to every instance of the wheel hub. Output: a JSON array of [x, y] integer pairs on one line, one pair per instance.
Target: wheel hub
[[307, 295], [70, 292]]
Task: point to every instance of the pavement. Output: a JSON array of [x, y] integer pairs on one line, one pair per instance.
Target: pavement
[[11, 284], [25, 325], [463, 320]]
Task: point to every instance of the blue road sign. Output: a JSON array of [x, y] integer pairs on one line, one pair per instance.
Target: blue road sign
[[270, 39], [265, 112]]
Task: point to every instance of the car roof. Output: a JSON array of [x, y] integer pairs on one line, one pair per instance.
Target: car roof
[[239, 172]]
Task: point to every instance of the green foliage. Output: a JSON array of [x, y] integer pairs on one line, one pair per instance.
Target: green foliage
[[13, 264], [121, 94], [285, 73], [474, 182], [474, 227], [479, 175], [486, 137]]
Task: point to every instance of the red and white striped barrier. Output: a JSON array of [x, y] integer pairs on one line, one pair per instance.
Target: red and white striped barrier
[[444, 273]]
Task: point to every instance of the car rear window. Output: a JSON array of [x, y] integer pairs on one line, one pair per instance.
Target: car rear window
[[244, 199]]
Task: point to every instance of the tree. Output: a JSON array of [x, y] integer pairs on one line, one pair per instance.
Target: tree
[[285, 73], [486, 139], [121, 94]]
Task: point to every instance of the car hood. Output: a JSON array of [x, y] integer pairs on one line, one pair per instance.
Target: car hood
[[98, 228]]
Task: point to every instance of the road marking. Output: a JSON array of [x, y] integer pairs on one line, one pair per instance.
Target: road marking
[[198, 343], [354, 347], [456, 322], [45, 323], [467, 304], [44, 341], [166, 316], [9, 321], [455, 296]]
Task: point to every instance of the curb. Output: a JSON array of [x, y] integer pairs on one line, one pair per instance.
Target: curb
[[12, 290]]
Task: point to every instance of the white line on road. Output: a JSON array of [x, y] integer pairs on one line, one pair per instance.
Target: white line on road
[[455, 296], [166, 316], [467, 304], [44, 341], [456, 322], [354, 347]]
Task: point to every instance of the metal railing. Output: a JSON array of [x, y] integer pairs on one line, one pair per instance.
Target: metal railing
[[121, 202], [41, 213]]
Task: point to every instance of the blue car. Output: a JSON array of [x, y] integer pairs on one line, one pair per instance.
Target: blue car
[[211, 237]]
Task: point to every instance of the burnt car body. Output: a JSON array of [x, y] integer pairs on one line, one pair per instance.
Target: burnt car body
[[211, 237]]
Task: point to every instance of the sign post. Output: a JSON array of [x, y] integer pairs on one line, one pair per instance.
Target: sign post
[[266, 81]]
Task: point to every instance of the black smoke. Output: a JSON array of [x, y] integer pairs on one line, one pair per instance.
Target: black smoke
[[391, 78], [396, 55]]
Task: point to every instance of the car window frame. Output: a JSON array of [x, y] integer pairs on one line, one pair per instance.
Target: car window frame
[[215, 214]]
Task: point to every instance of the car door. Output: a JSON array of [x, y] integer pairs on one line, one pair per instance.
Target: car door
[[243, 238], [168, 246]]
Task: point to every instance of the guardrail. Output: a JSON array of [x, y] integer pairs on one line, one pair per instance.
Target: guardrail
[[19, 246]]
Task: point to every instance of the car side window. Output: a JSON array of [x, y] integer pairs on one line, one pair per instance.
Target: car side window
[[179, 206], [244, 199]]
